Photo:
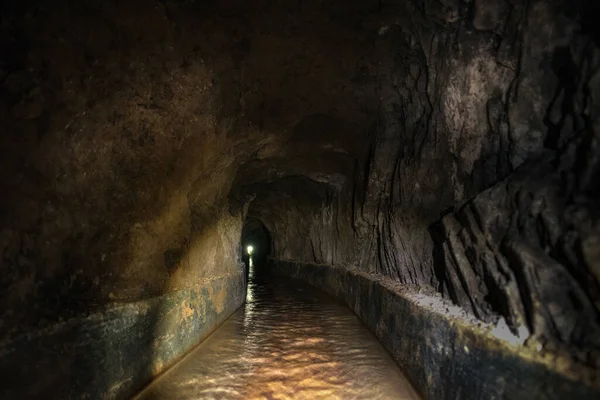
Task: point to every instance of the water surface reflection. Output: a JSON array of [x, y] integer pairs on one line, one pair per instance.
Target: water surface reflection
[[289, 341]]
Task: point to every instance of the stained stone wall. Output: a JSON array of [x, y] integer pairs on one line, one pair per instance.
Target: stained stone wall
[[116, 351]]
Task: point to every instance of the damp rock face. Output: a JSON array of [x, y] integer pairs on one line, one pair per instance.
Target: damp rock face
[[532, 240], [450, 146]]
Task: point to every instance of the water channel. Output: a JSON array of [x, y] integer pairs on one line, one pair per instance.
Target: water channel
[[289, 341]]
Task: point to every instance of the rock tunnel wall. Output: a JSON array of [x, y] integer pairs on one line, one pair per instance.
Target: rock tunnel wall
[[393, 137], [477, 179], [129, 131]]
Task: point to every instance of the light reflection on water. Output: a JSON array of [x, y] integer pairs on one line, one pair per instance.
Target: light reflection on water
[[289, 341]]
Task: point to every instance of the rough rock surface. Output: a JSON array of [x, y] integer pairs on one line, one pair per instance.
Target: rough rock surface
[[501, 95], [527, 249], [449, 145]]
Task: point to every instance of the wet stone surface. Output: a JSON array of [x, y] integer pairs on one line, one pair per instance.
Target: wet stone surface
[[114, 353], [290, 340]]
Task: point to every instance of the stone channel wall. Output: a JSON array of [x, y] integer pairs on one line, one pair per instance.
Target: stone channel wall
[[113, 353], [446, 353]]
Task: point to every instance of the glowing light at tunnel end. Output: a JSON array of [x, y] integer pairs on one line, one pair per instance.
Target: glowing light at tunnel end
[[250, 250]]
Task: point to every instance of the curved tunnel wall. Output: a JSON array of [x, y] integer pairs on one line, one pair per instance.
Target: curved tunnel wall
[[449, 146]]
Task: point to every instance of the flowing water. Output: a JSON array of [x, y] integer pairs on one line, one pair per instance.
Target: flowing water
[[289, 341]]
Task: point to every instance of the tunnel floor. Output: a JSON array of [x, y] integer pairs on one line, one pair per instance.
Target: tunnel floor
[[289, 341]]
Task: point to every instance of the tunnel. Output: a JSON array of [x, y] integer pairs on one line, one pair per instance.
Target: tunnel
[[256, 246], [418, 181]]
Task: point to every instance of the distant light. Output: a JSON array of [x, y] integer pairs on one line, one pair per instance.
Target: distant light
[[249, 249]]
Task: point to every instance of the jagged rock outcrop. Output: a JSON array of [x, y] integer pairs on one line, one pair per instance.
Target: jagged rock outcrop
[[527, 249], [482, 95]]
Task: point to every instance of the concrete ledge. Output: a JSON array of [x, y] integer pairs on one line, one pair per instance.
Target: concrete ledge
[[447, 355], [114, 353]]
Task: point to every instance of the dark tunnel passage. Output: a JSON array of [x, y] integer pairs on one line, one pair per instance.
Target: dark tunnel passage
[[418, 180], [256, 246]]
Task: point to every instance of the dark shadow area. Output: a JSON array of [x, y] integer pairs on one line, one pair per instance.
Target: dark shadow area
[[256, 248]]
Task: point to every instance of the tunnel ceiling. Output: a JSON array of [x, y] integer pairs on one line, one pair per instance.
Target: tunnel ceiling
[[139, 135]]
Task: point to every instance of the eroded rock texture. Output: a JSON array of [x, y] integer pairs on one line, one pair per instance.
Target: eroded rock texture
[[501, 95], [527, 248], [448, 145]]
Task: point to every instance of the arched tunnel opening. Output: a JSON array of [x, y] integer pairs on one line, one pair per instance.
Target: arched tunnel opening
[[256, 247], [418, 180]]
